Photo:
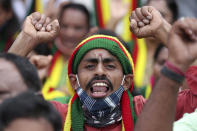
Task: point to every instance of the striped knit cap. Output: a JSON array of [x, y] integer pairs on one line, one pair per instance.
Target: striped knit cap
[[109, 43]]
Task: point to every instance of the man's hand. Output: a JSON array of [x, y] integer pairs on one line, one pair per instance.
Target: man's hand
[[118, 9], [183, 43], [37, 29], [40, 27], [42, 63], [148, 22]]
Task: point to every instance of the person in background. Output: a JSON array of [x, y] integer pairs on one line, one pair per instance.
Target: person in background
[[17, 75], [28, 112], [74, 26]]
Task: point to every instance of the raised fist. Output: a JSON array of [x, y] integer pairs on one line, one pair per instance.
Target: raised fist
[[37, 29], [40, 28], [148, 22], [183, 43]]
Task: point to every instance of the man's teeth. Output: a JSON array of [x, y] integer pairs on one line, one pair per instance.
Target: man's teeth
[[99, 88], [100, 84], [98, 92]]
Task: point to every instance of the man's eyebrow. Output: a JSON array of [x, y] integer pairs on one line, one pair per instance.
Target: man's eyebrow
[[107, 60], [92, 60], [96, 60]]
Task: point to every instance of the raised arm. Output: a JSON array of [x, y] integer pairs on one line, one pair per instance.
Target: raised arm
[[37, 29], [148, 22], [118, 9], [159, 111]]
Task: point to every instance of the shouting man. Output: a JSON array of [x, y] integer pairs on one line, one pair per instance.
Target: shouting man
[[100, 73]]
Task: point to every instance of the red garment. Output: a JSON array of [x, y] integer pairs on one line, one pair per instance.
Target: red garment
[[191, 78], [187, 99], [62, 109], [138, 103], [186, 103]]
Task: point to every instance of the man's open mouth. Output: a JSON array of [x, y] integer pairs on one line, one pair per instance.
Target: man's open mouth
[[99, 89]]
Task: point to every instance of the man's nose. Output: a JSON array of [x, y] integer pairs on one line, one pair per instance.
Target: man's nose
[[100, 70]]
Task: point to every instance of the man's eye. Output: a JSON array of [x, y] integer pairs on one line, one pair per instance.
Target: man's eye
[[110, 66], [89, 66]]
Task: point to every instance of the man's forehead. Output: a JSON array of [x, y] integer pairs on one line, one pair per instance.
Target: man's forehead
[[99, 53]]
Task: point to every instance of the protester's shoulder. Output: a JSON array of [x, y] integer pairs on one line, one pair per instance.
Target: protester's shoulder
[[138, 104]]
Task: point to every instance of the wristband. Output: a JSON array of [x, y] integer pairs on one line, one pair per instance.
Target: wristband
[[174, 68], [172, 75]]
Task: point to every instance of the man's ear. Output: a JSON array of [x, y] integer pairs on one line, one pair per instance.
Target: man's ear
[[73, 81], [128, 81]]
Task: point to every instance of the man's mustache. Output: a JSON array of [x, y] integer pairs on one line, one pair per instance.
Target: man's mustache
[[99, 78]]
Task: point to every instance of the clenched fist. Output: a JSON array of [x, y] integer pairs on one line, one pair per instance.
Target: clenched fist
[[183, 43], [40, 27], [37, 28], [148, 22]]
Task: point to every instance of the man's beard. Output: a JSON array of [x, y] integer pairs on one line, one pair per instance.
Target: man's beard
[[101, 112]]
